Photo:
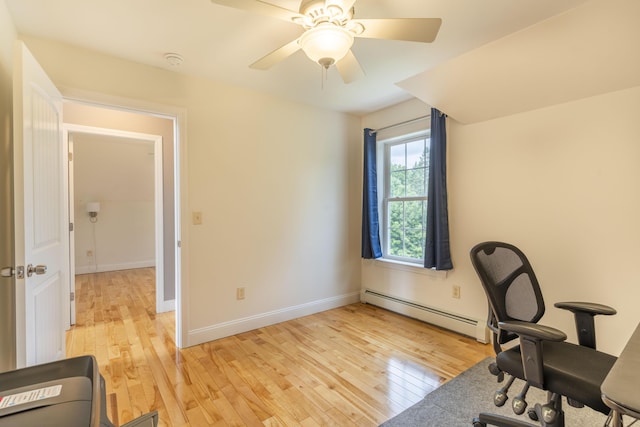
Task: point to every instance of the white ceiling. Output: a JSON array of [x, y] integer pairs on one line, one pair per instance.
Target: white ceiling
[[219, 42]]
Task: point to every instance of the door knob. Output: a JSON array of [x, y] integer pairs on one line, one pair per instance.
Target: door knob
[[38, 269]]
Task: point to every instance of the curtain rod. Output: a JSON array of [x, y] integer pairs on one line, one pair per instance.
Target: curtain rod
[[406, 122]]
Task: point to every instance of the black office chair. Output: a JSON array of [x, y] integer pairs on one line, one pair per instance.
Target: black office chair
[[543, 359]]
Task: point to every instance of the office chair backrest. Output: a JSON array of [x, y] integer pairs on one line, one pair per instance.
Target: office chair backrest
[[510, 285]]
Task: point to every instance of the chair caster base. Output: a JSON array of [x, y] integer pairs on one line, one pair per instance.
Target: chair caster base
[[484, 420]]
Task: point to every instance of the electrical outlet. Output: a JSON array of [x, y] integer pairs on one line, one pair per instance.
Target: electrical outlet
[[240, 293], [197, 218], [455, 291], [89, 253]]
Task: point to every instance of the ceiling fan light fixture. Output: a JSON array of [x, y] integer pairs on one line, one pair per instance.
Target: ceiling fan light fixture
[[326, 44]]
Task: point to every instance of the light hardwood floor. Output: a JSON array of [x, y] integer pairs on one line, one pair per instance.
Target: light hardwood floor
[[353, 366]]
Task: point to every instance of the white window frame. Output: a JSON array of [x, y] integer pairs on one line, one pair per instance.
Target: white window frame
[[385, 147]]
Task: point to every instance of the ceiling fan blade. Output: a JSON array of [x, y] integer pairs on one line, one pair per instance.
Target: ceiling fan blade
[[410, 29], [276, 56], [261, 7], [349, 68]]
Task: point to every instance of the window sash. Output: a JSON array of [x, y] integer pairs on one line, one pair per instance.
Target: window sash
[[387, 201]]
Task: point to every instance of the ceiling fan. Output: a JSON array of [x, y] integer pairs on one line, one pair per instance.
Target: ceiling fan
[[330, 30]]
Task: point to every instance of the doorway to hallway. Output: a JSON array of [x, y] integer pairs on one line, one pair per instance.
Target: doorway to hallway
[[161, 132]]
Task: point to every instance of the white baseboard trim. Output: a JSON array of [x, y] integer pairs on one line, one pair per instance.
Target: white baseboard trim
[[465, 325], [233, 327], [100, 268], [166, 306]]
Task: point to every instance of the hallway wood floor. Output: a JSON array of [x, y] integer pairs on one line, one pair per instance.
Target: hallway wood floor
[[352, 366]]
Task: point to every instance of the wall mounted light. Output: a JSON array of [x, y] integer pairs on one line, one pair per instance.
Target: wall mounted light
[[93, 208]]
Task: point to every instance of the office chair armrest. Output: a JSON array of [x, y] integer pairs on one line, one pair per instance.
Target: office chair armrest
[[583, 313], [586, 307], [533, 330], [531, 337]]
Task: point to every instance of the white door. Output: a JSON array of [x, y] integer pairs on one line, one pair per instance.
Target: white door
[[41, 227]]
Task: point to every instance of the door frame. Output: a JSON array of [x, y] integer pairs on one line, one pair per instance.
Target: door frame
[[72, 221], [181, 203], [71, 129]]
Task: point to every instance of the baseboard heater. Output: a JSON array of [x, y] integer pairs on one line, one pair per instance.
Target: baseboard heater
[[454, 322]]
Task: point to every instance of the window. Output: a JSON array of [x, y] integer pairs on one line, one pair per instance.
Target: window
[[406, 173]]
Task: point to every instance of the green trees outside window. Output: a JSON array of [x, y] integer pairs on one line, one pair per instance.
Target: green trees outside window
[[406, 175]]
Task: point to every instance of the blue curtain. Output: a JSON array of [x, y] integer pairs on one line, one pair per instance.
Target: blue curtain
[[370, 225], [436, 251]]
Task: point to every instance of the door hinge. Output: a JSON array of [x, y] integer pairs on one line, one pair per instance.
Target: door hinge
[[18, 272], [70, 226], [73, 296], [70, 157], [179, 243]]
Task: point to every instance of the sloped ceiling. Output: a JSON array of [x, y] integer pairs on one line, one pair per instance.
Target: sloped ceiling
[[586, 51]]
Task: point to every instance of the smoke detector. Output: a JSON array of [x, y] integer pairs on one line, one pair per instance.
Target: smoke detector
[[173, 59]]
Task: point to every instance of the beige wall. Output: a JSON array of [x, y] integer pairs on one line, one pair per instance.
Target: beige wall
[[119, 174], [562, 184], [7, 324], [278, 185]]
